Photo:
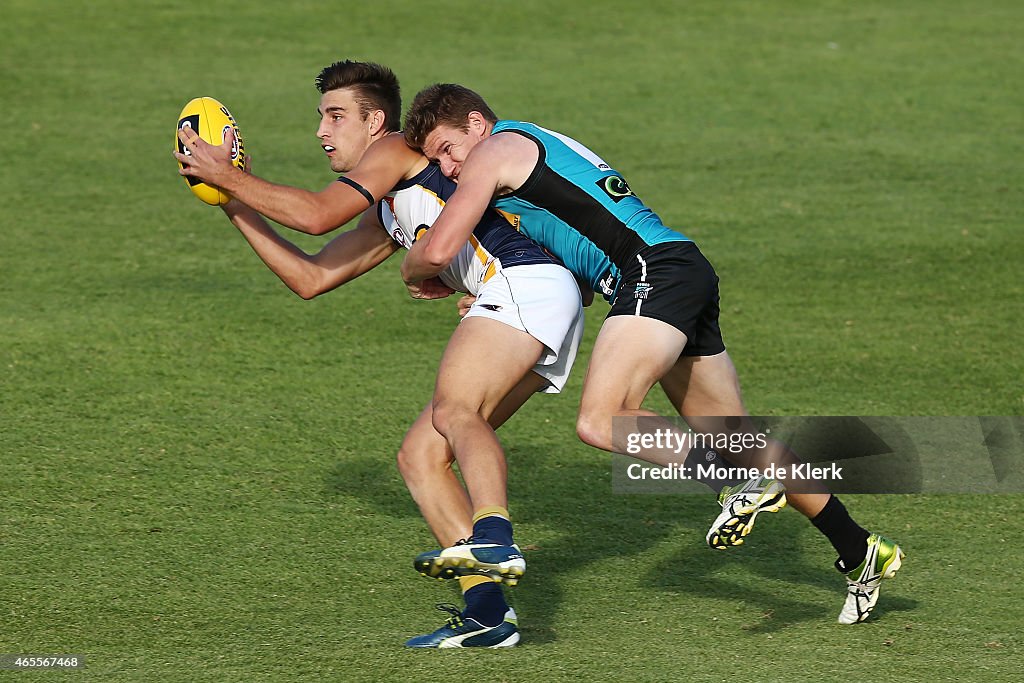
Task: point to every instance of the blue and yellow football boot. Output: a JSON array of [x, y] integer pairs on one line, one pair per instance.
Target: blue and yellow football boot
[[501, 563], [463, 632]]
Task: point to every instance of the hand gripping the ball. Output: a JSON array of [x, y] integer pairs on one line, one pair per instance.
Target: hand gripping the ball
[[211, 164], [209, 149]]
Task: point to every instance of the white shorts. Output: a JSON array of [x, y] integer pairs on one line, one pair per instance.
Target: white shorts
[[542, 300]]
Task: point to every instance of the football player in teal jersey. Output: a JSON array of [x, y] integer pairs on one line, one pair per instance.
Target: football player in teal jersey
[[663, 324]]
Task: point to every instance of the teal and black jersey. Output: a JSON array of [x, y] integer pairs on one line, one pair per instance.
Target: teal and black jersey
[[581, 210]]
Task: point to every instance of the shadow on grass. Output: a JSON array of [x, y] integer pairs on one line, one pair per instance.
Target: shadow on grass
[[775, 555], [573, 497], [374, 481]]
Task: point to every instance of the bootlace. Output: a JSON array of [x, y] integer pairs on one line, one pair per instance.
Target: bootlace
[[859, 590], [455, 620]]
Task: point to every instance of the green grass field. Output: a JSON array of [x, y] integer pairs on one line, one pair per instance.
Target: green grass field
[[196, 467]]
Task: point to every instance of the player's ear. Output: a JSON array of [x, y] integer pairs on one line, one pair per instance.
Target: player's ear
[[477, 123], [377, 120]]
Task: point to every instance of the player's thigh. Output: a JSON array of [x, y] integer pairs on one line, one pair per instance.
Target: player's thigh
[[484, 360], [704, 385], [630, 354]]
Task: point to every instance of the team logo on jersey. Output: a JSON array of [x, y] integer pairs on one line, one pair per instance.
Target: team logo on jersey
[[399, 236], [642, 290], [615, 187]]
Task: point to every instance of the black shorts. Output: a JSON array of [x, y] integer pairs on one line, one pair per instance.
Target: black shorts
[[674, 283]]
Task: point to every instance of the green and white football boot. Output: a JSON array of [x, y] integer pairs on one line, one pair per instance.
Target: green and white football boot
[[883, 560], [740, 506]]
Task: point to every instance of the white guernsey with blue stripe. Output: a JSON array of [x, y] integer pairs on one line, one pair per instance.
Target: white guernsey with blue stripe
[[414, 204]]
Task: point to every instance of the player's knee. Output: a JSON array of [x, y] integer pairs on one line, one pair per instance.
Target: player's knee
[[416, 463], [407, 464], [594, 430], [419, 454], [447, 415], [440, 416]]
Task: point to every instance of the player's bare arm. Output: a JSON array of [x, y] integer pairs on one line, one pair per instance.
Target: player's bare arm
[[436, 248], [314, 213], [497, 165], [385, 163], [344, 258]]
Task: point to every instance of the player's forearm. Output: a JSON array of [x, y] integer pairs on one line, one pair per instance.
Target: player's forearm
[[293, 207], [292, 265], [435, 249], [422, 261]]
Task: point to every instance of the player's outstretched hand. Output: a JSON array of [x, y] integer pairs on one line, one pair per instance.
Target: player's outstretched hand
[[431, 288]]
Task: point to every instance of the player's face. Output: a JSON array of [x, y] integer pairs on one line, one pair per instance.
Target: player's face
[[344, 133], [449, 147]]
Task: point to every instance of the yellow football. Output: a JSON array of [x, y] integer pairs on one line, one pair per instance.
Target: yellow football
[[210, 119]]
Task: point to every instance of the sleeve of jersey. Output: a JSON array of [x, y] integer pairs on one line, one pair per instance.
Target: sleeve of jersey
[[387, 220]]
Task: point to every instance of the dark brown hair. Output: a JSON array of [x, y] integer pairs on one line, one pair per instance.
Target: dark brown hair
[[375, 87], [442, 104]]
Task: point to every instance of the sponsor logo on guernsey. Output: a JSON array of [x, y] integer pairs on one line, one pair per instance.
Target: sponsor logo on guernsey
[[615, 187]]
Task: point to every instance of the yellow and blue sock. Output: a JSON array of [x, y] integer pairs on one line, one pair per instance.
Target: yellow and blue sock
[[492, 525], [484, 600]]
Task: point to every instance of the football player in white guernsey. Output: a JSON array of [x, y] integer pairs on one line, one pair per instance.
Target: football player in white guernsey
[[527, 311]]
